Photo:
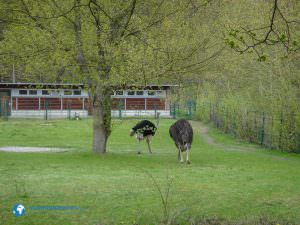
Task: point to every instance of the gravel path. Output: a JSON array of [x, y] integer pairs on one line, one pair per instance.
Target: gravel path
[[31, 149]]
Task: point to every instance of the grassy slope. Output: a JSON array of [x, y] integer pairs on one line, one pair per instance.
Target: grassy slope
[[116, 187]]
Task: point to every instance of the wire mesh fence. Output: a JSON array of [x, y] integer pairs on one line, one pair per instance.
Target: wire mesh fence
[[44, 108], [79, 108], [278, 130], [139, 108]]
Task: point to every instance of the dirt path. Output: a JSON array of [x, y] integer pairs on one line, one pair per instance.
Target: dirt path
[[203, 132]]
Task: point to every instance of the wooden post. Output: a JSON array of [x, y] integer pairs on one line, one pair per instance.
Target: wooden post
[[83, 103]]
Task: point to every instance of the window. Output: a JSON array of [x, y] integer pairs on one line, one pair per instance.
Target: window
[[119, 92], [45, 92], [77, 92], [159, 92], [140, 93], [33, 92], [151, 93], [22, 92], [68, 92], [55, 93], [130, 92]]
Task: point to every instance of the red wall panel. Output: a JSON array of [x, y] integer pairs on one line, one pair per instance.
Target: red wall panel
[[53, 103], [13, 103], [28, 103], [77, 103], [155, 103], [117, 102], [135, 103], [72, 103]]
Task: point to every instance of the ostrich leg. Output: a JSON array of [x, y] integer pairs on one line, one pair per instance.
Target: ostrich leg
[[139, 144], [180, 155], [188, 156], [148, 139]]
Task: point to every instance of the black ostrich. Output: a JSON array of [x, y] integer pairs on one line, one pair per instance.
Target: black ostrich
[[144, 129], [182, 134]]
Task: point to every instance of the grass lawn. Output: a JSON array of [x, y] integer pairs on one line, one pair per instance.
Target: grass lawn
[[226, 180]]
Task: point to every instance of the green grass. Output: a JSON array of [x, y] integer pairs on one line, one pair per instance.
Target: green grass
[[116, 188]]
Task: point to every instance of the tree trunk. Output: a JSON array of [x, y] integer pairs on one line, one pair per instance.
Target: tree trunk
[[101, 120], [99, 136]]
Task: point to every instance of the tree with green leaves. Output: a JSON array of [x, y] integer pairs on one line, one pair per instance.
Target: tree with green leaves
[[106, 45]]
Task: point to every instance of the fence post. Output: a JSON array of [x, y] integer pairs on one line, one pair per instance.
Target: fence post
[[255, 128], [263, 129], [233, 118], [217, 115], [69, 103], [189, 104], [280, 131], [173, 110], [226, 127], [249, 128], [155, 112], [120, 105], [210, 116], [298, 140], [203, 116], [6, 109], [46, 103]]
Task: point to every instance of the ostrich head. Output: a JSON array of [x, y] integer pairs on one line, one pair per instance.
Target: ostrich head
[[131, 132], [138, 135]]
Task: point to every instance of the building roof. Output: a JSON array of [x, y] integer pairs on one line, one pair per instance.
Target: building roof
[[40, 85], [78, 86]]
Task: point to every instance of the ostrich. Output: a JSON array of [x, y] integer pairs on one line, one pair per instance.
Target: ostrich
[[182, 134], [144, 129]]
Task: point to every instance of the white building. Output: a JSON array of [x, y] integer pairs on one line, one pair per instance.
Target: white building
[[32, 100]]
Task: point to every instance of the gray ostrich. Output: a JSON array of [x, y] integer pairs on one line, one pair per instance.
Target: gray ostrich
[[144, 130], [182, 134]]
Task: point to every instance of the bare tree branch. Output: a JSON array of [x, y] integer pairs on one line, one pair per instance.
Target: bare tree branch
[[273, 35]]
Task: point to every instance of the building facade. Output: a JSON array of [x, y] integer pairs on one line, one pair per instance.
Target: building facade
[[30, 100]]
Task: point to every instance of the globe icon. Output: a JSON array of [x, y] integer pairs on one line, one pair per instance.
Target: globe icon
[[19, 210]]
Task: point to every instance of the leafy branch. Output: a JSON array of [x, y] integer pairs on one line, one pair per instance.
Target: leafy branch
[[247, 40]]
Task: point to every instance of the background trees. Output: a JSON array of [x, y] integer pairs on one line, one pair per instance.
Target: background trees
[[103, 44], [108, 44]]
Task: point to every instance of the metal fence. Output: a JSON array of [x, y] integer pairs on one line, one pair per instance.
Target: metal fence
[[185, 110], [280, 130], [277, 130], [43, 108], [78, 108]]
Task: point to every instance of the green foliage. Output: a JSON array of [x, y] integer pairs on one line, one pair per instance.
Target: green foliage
[[262, 58], [184, 42], [267, 124], [158, 40]]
